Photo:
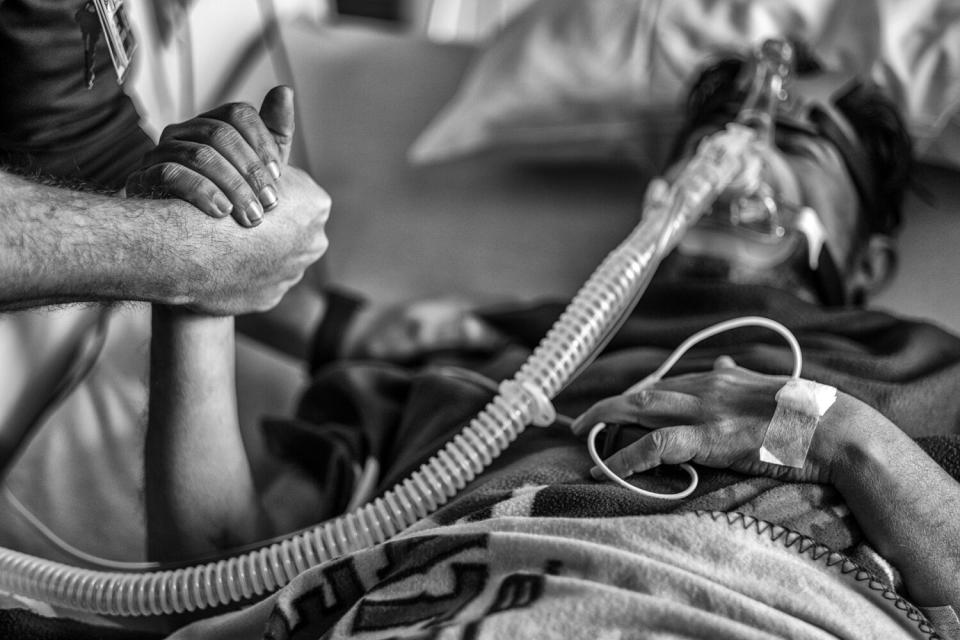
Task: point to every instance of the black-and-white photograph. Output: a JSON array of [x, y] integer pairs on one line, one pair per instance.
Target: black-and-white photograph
[[479, 319]]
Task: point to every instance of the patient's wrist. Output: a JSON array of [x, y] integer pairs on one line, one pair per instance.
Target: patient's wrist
[[187, 333], [848, 439]]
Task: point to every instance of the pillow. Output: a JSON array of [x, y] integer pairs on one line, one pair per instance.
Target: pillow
[[606, 78]]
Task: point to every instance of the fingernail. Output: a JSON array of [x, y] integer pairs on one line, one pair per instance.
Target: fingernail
[[274, 169], [222, 204], [254, 213], [268, 196]]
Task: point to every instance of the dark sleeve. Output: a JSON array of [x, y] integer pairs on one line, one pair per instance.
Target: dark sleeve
[[51, 123]]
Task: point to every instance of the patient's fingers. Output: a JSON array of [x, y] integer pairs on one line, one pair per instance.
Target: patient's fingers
[[647, 407], [671, 445]]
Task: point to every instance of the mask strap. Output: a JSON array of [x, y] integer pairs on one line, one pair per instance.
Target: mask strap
[[828, 282], [854, 156]]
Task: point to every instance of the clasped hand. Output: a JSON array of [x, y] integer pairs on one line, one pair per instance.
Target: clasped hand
[[225, 161], [232, 161]]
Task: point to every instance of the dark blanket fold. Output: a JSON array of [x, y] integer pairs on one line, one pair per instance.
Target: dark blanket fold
[[20, 624], [909, 371]]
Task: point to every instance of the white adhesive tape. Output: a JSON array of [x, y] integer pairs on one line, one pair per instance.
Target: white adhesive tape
[[800, 405]]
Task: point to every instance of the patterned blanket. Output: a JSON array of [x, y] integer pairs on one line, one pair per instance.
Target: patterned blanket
[[399, 416], [535, 548]]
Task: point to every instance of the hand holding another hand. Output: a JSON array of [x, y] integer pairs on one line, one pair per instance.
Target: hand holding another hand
[[226, 161], [241, 271]]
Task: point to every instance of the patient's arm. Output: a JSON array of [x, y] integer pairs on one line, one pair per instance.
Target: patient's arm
[[200, 495], [907, 506]]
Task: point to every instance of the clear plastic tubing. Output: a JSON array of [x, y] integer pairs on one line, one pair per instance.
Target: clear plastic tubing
[[609, 293]]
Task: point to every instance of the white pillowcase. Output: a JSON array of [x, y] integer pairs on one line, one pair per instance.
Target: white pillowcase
[[592, 79]]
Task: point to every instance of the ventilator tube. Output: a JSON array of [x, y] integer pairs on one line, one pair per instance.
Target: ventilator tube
[[607, 296]]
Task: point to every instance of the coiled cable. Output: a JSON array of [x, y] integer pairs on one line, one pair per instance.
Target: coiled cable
[[662, 370]]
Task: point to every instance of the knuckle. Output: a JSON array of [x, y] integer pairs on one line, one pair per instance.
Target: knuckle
[[168, 173], [239, 188], [221, 135], [717, 386], [728, 426], [201, 156], [659, 442], [282, 138], [240, 113], [265, 148], [255, 174], [321, 244], [203, 189], [640, 399]]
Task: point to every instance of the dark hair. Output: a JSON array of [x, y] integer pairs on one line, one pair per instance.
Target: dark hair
[[887, 143], [883, 140]]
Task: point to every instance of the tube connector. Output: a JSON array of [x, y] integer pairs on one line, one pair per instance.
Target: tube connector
[[543, 413]]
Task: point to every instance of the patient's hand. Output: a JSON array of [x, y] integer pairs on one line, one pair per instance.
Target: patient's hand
[[718, 419], [904, 502], [225, 161], [234, 271], [404, 332]]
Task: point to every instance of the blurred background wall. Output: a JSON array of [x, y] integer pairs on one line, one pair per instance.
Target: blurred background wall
[[192, 71], [184, 74]]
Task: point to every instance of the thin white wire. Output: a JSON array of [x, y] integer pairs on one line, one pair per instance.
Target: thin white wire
[[68, 548], [661, 371], [592, 449], [720, 327]]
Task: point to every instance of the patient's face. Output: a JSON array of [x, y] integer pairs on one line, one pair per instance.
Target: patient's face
[[804, 170]]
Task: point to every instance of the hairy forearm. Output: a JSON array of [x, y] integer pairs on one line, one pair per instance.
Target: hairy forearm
[[61, 245], [907, 506], [200, 495]]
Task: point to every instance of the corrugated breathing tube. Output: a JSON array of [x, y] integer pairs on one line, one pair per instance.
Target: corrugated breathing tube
[[601, 303]]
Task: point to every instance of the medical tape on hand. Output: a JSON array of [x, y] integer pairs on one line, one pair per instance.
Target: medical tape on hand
[[800, 405]]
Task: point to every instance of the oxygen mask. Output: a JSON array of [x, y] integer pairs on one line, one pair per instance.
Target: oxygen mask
[[756, 223]]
